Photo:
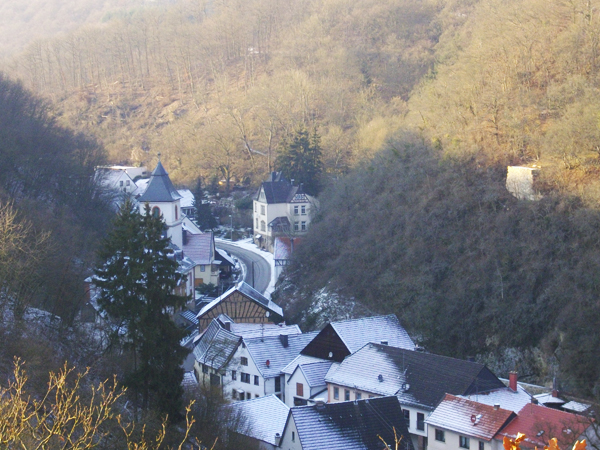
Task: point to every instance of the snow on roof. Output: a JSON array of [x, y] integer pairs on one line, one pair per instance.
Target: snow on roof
[[266, 417], [160, 188], [378, 329], [469, 418], [249, 292], [199, 247], [315, 372], [576, 406], [298, 360], [505, 397], [548, 398], [272, 349], [187, 198], [216, 345], [189, 379], [252, 330]]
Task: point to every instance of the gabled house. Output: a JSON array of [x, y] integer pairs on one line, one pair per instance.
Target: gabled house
[[340, 339], [280, 209], [458, 423], [262, 420], [419, 380], [201, 249], [363, 424], [513, 397], [242, 303], [305, 380], [540, 424]]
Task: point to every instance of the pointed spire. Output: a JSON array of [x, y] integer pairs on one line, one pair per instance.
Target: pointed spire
[[160, 188]]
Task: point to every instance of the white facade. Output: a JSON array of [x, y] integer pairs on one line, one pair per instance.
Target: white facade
[[172, 216], [452, 441], [298, 391], [290, 439]]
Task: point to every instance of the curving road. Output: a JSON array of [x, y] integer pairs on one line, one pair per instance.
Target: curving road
[[262, 269]]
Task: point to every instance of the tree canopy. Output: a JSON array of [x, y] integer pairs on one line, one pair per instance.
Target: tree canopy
[[137, 280]]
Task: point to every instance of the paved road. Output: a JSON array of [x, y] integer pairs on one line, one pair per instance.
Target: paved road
[[262, 269]]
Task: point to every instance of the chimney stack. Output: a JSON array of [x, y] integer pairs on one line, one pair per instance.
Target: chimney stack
[[227, 325], [496, 406], [512, 380], [277, 439]]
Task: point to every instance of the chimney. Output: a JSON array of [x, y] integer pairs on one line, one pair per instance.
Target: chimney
[[554, 393], [227, 325], [284, 340], [320, 403], [277, 439], [496, 406], [512, 380]]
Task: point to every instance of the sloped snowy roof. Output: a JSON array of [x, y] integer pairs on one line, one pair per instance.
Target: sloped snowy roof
[[187, 198], [266, 417], [253, 330], [199, 247], [505, 397], [315, 372], [357, 332], [576, 407], [300, 359], [457, 413], [249, 292], [160, 188], [215, 346]]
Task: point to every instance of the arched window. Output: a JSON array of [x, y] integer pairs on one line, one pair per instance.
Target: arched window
[[176, 212], [156, 211]]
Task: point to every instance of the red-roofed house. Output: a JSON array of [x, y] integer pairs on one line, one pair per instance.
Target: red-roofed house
[[540, 424], [460, 423]]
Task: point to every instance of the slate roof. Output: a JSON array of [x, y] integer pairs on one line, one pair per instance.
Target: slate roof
[[576, 407], [216, 346], [549, 399], [353, 425], [300, 359], [315, 372], [187, 198], [277, 189], [418, 379], [456, 414], [253, 330], [249, 292], [271, 348], [224, 257], [160, 188], [505, 397], [199, 247], [346, 337], [540, 423], [256, 412], [190, 316]]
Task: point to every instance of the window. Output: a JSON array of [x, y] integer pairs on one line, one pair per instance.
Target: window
[[463, 442], [233, 375], [421, 421], [406, 417], [244, 361], [293, 437], [176, 212], [336, 393], [300, 389], [481, 445], [296, 210], [277, 384], [357, 395], [255, 207], [233, 394], [121, 183], [127, 183], [263, 225], [256, 396], [202, 268], [346, 394], [156, 211], [255, 380], [440, 435], [245, 377], [303, 210], [303, 226], [204, 368], [256, 223], [296, 226], [262, 209]]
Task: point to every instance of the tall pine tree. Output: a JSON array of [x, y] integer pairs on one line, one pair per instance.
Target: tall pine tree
[[136, 280], [204, 215], [300, 159]]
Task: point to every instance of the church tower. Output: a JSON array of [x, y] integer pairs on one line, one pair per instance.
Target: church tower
[[163, 198]]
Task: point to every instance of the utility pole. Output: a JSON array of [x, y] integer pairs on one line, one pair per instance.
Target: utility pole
[[231, 227]]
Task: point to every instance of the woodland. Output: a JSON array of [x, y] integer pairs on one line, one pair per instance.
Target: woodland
[[417, 107]]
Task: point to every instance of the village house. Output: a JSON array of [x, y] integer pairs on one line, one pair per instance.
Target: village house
[[280, 209], [361, 424], [419, 380]]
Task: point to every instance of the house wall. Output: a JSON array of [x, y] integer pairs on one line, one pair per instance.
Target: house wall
[[290, 387], [299, 217], [331, 393], [452, 441], [290, 439], [209, 275], [172, 217], [251, 369]]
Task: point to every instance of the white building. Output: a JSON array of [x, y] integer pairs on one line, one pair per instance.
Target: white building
[[280, 208]]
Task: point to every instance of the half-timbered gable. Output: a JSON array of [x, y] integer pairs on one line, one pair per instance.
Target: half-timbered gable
[[243, 304]]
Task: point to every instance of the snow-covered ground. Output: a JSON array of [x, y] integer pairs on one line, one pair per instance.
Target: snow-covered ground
[[247, 244]]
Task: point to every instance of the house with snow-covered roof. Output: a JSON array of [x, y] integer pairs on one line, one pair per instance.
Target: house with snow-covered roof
[[263, 420], [363, 424], [340, 339], [305, 380], [419, 380], [458, 423], [280, 209]]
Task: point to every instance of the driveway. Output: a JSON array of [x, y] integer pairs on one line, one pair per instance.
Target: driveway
[[252, 260]]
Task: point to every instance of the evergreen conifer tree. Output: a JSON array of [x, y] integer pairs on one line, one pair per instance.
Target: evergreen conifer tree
[[204, 216], [136, 281], [300, 159]]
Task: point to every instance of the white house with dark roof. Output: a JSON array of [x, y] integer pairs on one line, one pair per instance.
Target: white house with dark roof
[[458, 423], [358, 424], [280, 208], [306, 382], [263, 421], [419, 380]]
